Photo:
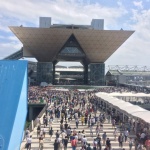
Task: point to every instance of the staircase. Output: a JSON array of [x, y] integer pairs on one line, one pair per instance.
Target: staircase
[[48, 145]]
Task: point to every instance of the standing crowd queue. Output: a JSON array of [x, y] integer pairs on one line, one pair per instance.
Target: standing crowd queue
[[73, 109]]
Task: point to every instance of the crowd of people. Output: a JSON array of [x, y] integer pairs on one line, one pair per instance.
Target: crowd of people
[[73, 109]]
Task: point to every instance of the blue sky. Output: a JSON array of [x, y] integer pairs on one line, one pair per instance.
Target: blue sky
[[126, 14]]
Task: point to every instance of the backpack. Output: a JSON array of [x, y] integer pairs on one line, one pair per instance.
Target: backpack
[[73, 142]]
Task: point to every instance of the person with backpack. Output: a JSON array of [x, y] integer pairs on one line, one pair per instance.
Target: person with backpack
[[51, 133], [73, 144]]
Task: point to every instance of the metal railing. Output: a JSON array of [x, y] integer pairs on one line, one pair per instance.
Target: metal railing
[[15, 56], [34, 123]]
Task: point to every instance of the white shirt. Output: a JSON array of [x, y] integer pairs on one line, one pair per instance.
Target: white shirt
[[143, 135], [29, 140], [76, 137], [91, 128], [93, 120], [115, 132], [94, 143], [63, 135], [84, 140], [126, 133], [79, 136]]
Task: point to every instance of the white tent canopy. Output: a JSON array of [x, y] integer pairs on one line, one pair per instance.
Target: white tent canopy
[[145, 115], [126, 106], [129, 94]]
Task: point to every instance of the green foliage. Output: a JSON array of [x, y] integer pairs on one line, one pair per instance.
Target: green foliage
[[27, 125]]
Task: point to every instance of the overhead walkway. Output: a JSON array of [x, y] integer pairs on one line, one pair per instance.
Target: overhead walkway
[[15, 56]]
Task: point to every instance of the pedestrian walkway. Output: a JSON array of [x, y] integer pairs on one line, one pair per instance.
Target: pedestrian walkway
[[48, 144]]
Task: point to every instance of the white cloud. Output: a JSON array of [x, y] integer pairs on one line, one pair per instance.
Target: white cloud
[[69, 11], [138, 4], [136, 50], [7, 49], [27, 13]]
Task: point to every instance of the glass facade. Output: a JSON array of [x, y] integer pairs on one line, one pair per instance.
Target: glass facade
[[44, 72], [96, 74]]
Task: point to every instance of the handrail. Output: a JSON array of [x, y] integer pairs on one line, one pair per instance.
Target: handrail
[[33, 124], [35, 121]]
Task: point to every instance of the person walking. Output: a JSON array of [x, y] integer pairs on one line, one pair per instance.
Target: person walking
[[28, 145], [115, 133], [51, 133], [94, 144], [65, 143], [56, 145], [91, 130], [130, 143], [99, 147], [77, 122], [38, 130], [82, 119], [120, 140], [108, 144], [41, 142], [97, 130], [147, 143], [126, 134], [104, 136], [73, 144]]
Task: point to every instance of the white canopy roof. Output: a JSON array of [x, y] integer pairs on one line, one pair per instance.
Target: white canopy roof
[[144, 115], [130, 94], [129, 108]]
